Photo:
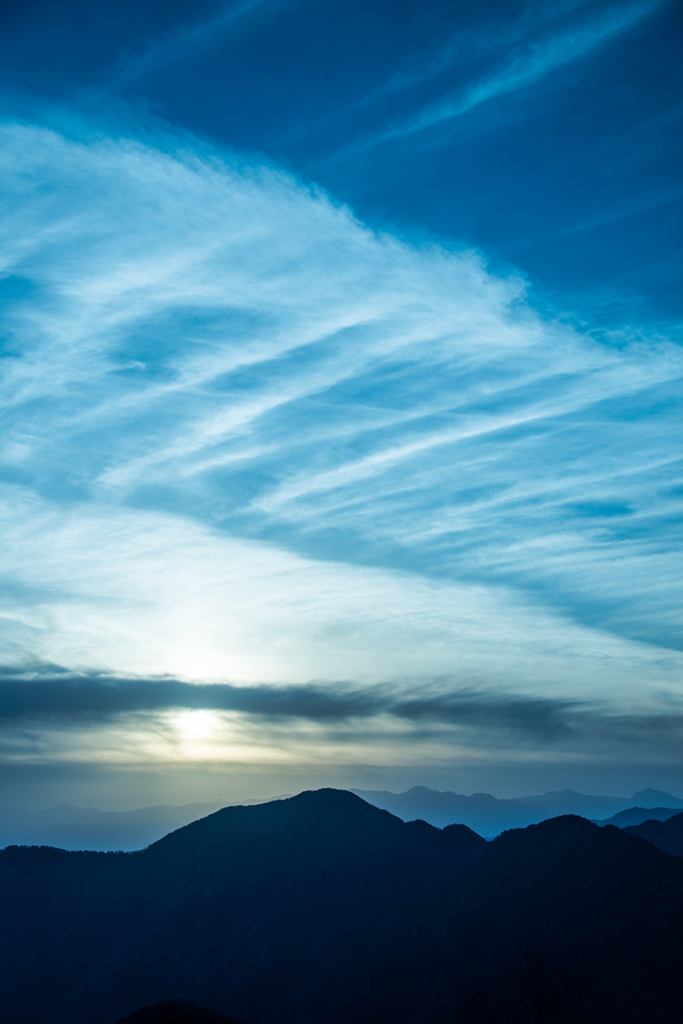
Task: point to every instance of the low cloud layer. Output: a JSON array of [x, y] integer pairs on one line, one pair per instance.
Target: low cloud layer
[[99, 698], [46, 700]]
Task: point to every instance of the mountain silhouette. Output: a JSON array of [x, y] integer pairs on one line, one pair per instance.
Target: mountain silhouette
[[667, 835], [87, 828], [324, 908]]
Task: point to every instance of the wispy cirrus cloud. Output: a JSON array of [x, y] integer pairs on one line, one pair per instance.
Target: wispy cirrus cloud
[[248, 438]]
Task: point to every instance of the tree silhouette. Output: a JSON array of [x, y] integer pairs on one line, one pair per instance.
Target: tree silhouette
[[555, 996], [545, 994]]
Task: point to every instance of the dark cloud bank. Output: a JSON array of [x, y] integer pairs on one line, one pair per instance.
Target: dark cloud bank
[[49, 696]]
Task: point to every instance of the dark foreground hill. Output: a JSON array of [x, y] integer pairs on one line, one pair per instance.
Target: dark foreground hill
[[325, 909]]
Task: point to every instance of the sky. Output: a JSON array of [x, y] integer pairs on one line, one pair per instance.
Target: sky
[[341, 397]]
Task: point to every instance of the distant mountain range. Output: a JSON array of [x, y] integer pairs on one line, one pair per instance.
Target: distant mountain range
[[324, 909], [86, 828], [489, 815]]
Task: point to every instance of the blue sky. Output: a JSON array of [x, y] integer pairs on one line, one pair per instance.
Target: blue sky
[[342, 372]]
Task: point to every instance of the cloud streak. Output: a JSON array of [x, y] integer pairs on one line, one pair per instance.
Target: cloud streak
[[529, 63], [49, 699], [69, 697], [234, 18]]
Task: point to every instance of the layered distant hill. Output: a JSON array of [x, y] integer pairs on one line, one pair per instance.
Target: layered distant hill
[[322, 908], [666, 835], [489, 815], [637, 815]]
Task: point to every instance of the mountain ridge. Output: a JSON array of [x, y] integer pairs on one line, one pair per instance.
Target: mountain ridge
[[638, 815], [74, 828]]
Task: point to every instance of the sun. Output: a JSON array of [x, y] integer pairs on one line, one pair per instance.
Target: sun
[[196, 725]]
